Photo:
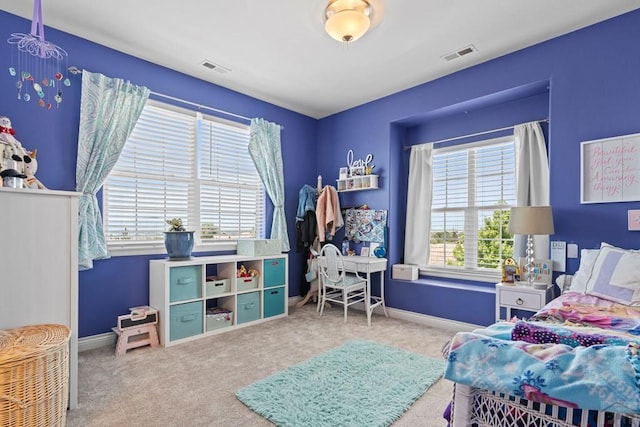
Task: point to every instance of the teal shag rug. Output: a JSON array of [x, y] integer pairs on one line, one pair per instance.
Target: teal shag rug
[[359, 383]]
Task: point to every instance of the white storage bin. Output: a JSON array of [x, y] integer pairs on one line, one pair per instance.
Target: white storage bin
[[217, 285], [404, 272], [259, 247], [246, 283], [219, 318]]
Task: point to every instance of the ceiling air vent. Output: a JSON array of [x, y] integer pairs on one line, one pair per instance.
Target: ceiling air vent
[[213, 66], [461, 52]]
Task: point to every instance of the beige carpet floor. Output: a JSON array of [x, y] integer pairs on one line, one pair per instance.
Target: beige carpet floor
[[194, 384]]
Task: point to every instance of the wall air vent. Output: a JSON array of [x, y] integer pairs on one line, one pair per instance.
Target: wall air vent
[[461, 52], [213, 66]]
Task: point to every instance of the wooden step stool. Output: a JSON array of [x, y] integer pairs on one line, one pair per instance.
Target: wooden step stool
[[137, 329]]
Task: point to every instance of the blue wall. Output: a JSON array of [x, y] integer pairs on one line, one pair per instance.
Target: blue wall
[[587, 83], [116, 284]]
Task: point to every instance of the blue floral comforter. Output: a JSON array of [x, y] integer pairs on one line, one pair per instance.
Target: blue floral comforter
[[572, 367]]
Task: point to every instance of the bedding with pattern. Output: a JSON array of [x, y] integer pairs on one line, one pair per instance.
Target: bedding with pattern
[[562, 364], [582, 350]]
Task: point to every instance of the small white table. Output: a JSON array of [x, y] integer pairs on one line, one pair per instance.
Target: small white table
[[368, 265], [522, 297]]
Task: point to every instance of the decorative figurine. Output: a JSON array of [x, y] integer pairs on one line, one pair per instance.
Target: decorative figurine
[[30, 168]]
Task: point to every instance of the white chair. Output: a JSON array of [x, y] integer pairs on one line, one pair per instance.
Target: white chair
[[335, 285]]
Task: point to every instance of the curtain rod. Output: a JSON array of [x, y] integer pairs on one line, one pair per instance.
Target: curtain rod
[[408, 147], [76, 70]]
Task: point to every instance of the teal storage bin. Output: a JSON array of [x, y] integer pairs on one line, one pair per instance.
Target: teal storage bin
[[273, 302], [248, 307], [185, 283], [186, 320], [274, 272]]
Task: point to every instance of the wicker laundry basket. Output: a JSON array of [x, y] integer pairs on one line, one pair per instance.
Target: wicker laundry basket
[[34, 375]]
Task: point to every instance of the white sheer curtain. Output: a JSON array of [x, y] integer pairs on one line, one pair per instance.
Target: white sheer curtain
[[419, 193], [532, 181]]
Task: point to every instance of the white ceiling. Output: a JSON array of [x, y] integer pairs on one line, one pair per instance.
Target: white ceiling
[[277, 50]]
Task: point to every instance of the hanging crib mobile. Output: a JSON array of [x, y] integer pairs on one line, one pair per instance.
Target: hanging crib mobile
[[37, 64]]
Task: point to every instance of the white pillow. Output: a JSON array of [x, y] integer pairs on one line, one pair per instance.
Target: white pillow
[[616, 276], [580, 278], [608, 245]]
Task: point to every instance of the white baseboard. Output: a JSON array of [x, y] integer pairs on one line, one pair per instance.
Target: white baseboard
[[96, 341], [426, 320], [109, 338]]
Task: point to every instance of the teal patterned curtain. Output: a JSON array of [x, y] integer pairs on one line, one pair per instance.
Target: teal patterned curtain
[[265, 150], [109, 109]]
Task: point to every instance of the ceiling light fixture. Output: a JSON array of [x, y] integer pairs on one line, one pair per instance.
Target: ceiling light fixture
[[347, 20]]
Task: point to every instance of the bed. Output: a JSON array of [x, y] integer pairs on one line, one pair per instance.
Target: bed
[[576, 362]]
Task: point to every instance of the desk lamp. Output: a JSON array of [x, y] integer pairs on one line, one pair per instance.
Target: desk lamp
[[530, 221]]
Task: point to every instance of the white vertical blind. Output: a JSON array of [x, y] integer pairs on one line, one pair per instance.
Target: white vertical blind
[[473, 189], [178, 163]]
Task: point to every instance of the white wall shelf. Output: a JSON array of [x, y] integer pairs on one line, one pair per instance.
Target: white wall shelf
[[358, 183]]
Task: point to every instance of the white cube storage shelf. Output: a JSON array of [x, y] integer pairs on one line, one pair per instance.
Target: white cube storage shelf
[[356, 183], [184, 292]]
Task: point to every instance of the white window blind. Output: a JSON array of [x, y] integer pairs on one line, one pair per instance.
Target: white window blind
[[473, 190], [231, 192], [178, 163]]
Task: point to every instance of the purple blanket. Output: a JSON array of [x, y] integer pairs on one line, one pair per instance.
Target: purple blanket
[[535, 334]]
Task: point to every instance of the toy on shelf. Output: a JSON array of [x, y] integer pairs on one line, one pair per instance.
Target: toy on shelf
[[30, 168], [510, 271], [243, 272], [17, 166], [11, 153]]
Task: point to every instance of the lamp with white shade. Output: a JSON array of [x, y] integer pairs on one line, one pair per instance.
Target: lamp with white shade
[[531, 221]]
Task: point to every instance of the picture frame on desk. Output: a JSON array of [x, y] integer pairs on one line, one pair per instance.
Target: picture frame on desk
[[365, 251]]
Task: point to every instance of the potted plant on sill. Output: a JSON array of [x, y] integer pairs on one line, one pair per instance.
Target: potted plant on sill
[[178, 241]]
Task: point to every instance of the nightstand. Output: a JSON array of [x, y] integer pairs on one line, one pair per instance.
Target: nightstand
[[521, 297]]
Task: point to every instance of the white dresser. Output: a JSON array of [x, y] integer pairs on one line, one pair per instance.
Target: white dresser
[[39, 264]]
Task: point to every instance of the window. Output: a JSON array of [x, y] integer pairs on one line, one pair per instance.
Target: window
[[178, 163], [473, 191]]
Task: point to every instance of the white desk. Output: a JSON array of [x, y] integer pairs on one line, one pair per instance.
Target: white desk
[[368, 265]]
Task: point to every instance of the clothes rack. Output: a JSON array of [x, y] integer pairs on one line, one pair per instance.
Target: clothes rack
[[312, 293]]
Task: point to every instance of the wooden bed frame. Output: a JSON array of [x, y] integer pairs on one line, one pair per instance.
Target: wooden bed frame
[[475, 407]]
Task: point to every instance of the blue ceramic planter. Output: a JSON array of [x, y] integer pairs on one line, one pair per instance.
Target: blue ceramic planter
[[179, 244]]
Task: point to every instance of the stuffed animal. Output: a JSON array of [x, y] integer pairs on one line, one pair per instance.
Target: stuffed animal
[[12, 153], [30, 168], [6, 131]]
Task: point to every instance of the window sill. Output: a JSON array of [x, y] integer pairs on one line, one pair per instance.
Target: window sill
[[463, 275], [456, 284], [133, 249]]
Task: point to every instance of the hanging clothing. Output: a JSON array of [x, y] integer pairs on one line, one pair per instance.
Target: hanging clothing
[[306, 201], [328, 213], [306, 231]]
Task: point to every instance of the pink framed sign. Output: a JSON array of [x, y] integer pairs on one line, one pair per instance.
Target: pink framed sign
[[610, 170]]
